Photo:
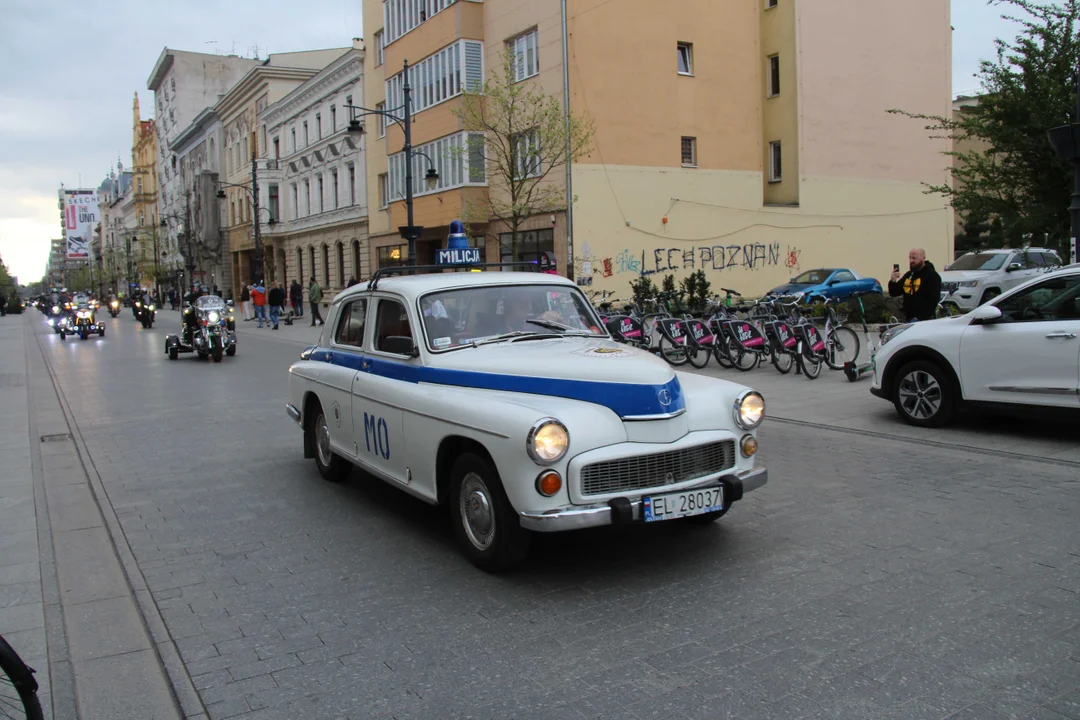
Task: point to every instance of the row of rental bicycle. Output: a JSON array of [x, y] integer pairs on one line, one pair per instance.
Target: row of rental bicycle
[[736, 335]]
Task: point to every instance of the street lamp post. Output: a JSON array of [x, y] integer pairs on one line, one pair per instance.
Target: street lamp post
[[410, 232], [1066, 141], [253, 191]]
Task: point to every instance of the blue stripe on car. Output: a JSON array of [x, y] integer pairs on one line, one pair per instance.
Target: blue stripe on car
[[624, 399]]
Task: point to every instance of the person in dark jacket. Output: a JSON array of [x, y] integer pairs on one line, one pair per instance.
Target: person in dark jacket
[[296, 294], [276, 300], [920, 287]]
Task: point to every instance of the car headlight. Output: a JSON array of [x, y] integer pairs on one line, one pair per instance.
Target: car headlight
[[547, 441], [968, 283], [749, 410], [893, 332], [212, 316]]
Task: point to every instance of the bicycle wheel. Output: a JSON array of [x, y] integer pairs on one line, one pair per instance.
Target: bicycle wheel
[[782, 361], [698, 356], [674, 354], [841, 346], [719, 351], [811, 363], [18, 688]]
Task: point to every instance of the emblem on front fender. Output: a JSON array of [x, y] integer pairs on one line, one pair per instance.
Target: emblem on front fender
[[664, 396]]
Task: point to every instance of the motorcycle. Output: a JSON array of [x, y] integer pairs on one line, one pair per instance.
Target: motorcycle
[[83, 323], [57, 316], [114, 308], [144, 313], [209, 330]]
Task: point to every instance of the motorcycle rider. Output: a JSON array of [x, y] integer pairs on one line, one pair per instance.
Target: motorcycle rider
[[191, 320]]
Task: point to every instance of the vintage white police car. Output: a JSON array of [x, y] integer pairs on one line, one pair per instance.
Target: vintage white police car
[[502, 395]]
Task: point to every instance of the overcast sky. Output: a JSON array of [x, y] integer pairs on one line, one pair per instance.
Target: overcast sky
[[73, 69]]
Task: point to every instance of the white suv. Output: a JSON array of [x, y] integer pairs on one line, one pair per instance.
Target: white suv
[[974, 278], [1020, 349]]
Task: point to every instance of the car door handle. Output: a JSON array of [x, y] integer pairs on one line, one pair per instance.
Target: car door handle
[[1062, 334], [365, 364]]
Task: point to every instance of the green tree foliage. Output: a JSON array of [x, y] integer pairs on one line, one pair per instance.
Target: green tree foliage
[[1018, 187], [694, 291], [644, 291]]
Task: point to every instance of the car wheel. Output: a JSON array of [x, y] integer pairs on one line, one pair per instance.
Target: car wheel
[[989, 295], [923, 394], [486, 526], [331, 466]]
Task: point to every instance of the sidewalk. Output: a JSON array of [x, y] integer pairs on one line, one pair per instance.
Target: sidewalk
[[72, 606]]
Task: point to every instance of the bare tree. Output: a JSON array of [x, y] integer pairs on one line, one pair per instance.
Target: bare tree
[[525, 134]]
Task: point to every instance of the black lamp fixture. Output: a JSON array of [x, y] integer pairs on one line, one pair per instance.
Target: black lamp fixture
[[431, 179], [355, 126], [221, 194]]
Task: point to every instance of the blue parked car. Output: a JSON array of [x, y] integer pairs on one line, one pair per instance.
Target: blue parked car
[[837, 283]]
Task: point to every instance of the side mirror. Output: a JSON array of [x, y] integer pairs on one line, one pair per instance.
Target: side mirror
[[1013, 267], [229, 303], [986, 315], [400, 345]]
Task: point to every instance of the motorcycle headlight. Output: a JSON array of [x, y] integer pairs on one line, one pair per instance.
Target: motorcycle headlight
[[150, 307], [968, 283], [547, 441], [893, 332], [55, 308], [749, 410], [212, 316], [115, 304]]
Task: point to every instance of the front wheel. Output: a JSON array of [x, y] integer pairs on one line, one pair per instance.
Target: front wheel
[[83, 334], [63, 335], [842, 346], [216, 354], [674, 354], [810, 363], [18, 688], [782, 361], [173, 353], [698, 356], [923, 394], [331, 466], [486, 526]]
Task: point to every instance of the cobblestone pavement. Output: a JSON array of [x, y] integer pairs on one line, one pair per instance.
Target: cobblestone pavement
[[870, 579]]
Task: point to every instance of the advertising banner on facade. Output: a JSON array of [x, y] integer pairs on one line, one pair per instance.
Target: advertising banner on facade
[[81, 215]]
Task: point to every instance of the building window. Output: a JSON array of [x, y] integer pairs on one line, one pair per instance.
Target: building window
[[689, 152], [774, 75], [439, 77], [686, 58], [356, 259], [526, 55], [295, 202], [459, 160], [292, 132], [770, 4], [277, 148], [401, 16], [381, 119], [274, 205], [300, 265], [232, 212], [380, 49], [393, 255], [348, 99], [529, 245], [318, 125], [775, 167], [326, 265], [333, 177], [311, 260], [384, 190], [340, 265], [526, 148], [319, 179], [333, 118], [307, 139], [307, 197]]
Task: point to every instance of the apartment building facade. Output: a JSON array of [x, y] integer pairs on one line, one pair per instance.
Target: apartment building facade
[[315, 179], [748, 140], [198, 215]]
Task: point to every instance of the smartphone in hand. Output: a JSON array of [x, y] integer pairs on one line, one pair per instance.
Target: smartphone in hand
[[896, 267]]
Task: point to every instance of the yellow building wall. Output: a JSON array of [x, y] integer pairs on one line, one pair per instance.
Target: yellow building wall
[[780, 113], [715, 222]]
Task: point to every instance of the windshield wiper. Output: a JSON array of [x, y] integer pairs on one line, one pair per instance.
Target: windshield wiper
[[552, 325], [500, 338]]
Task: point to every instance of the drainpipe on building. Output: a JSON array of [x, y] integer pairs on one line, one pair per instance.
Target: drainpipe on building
[[569, 179]]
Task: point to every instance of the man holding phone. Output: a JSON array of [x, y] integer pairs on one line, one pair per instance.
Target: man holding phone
[[920, 287]]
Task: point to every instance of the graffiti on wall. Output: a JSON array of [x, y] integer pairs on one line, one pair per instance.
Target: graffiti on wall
[[751, 256]]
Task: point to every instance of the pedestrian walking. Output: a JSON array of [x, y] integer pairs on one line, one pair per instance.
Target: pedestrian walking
[[315, 296], [296, 294], [920, 287], [258, 299], [245, 300], [277, 303]]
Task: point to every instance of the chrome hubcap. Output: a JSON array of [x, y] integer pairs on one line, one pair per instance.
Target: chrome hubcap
[[477, 513], [920, 395], [322, 439]]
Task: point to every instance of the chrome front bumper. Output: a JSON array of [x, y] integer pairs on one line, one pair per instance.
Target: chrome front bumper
[[576, 517]]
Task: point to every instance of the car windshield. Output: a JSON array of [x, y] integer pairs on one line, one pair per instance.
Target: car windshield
[[209, 301], [457, 318], [813, 277], [980, 261]]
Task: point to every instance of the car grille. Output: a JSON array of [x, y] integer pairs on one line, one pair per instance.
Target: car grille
[[646, 471]]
